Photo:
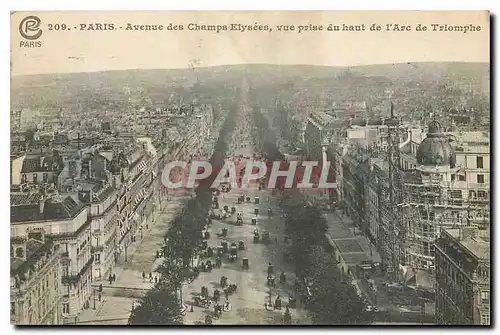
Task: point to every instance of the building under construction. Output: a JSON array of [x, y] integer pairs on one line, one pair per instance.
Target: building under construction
[[403, 196]]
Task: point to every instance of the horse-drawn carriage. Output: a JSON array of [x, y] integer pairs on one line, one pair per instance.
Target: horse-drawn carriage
[[241, 199], [256, 211], [233, 252], [254, 221], [256, 237], [217, 214], [230, 289], [223, 232], [233, 209], [223, 281], [256, 200], [241, 245], [265, 236], [239, 219], [244, 263], [202, 301], [225, 187]]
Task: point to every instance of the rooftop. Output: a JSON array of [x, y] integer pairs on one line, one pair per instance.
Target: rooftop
[[473, 243], [19, 198], [39, 164], [66, 208]]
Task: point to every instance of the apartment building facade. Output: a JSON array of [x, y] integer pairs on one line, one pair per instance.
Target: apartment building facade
[[68, 222], [463, 277], [35, 280]]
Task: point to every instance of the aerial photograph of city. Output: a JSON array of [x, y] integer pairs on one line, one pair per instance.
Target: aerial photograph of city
[[251, 194]]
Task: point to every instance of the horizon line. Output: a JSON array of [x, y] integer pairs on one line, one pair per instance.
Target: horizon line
[[248, 64]]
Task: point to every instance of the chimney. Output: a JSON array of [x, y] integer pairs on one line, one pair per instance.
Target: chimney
[[392, 110], [42, 205]]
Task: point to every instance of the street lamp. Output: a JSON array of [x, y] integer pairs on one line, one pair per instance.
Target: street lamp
[[126, 246], [93, 289]]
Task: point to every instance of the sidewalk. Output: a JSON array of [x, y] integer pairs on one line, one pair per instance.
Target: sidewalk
[[118, 297], [169, 210]]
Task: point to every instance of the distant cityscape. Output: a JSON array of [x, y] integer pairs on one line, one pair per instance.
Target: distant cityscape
[[408, 225]]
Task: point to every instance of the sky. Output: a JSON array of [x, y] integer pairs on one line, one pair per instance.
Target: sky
[[78, 50]]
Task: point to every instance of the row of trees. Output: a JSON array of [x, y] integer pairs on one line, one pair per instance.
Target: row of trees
[[163, 304], [333, 299]]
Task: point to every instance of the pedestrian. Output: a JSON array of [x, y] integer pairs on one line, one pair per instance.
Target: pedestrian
[[110, 278], [143, 275], [226, 293], [150, 275], [156, 280]]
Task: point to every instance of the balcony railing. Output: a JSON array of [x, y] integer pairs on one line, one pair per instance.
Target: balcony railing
[[482, 186], [98, 248], [72, 279]]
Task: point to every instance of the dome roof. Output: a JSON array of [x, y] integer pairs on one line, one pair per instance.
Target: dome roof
[[435, 149]]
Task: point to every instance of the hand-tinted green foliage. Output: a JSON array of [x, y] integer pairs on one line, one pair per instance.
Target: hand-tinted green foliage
[[305, 227], [334, 299], [161, 306]]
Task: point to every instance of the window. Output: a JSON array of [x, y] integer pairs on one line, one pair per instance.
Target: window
[[485, 297], [45, 177], [480, 178], [485, 319], [461, 177], [482, 194], [12, 308], [65, 308], [35, 177], [24, 178], [479, 162]]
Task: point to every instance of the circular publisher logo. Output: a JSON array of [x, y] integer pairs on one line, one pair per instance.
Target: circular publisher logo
[[29, 28]]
